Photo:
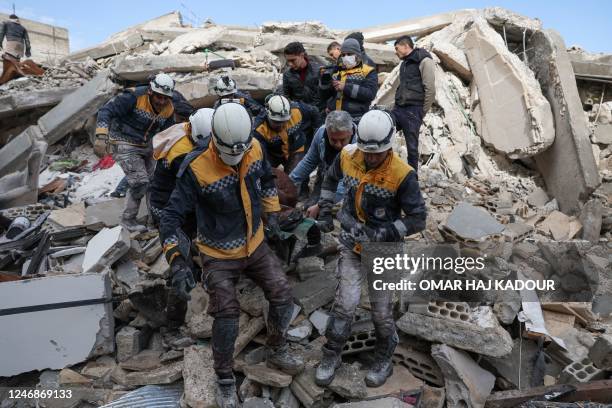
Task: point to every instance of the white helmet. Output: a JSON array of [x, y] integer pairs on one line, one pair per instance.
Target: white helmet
[[231, 130], [278, 108], [201, 123], [162, 84], [375, 130], [225, 86]]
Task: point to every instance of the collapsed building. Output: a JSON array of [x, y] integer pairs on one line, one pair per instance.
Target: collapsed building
[[517, 163]]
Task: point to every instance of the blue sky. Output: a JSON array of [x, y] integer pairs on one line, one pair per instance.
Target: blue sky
[[586, 23]]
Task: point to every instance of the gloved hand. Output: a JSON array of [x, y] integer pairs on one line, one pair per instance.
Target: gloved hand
[[272, 229], [182, 279], [325, 220], [387, 233], [362, 233]]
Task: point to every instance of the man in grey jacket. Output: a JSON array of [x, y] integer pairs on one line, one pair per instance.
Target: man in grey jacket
[[338, 131], [17, 38], [415, 94]]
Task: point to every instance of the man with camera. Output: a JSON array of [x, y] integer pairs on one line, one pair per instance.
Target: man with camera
[[350, 85]]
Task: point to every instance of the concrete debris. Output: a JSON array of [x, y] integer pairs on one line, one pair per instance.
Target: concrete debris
[[105, 248], [262, 374], [467, 222], [257, 402], [400, 381], [36, 332], [387, 402], [517, 118], [601, 352], [199, 377], [165, 374], [305, 389], [466, 383], [581, 372], [314, 293], [349, 382], [129, 343], [433, 397]]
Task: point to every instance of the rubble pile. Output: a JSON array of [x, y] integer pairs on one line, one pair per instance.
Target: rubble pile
[[517, 165]]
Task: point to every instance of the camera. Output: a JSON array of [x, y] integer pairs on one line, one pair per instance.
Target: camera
[[327, 75]]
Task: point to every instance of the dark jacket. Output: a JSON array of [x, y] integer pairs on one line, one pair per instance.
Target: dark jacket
[[307, 91], [182, 108], [169, 149], [130, 118], [228, 204], [280, 145], [245, 99], [361, 85], [376, 197], [15, 32], [411, 90]]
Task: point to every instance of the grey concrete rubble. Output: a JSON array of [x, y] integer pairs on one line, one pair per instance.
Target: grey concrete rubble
[[199, 377]]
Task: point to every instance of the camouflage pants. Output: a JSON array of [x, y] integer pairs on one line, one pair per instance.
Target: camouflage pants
[[137, 163]]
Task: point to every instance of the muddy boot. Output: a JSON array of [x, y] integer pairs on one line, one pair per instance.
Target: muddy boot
[[338, 330], [278, 354], [383, 366], [132, 226], [226, 396], [327, 367]]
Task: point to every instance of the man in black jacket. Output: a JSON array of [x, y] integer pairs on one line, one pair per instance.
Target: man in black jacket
[[414, 95], [17, 38], [301, 80]]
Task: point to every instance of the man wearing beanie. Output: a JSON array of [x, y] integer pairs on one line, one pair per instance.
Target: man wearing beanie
[[353, 86], [357, 35]]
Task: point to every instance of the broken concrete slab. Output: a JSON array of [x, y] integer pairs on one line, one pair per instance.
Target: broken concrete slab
[[601, 352], [247, 333], [165, 374], [417, 27], [129, 342], [349, 382], [453, 59], [71, 377], [108, 211], [36, 333], [518, 368], [570, 157], [71, 216], [21, 102], [517, 118], [309, 267], [286, 399], [196, 39], [99, 368], [77, 107], [262, 374], [558, 225], [591, 217], [591, 67], [420, 364], [319, 319], [140, 67], [105, 248], [199, 377], [433, 397], [108, 48], [314, 293], [305, 389], [491, 340], [466, 383], [257, 402], [471, 223], [387, 402], [401, 380]]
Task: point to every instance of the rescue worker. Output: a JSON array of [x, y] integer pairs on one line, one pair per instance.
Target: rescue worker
[[357, 35], [129, 121], [227, 91], [17, 38], [281, 130], [301, 79], [354, 85], [338, 131], [169, 149], [229, 185], [379, 186], [415, 94]]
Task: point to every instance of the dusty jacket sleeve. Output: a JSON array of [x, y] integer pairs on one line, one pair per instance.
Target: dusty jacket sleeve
[[330, 184], [269, 194], [411, 201], [2, 32], [310, 162], [428, 74], [26, 40], [117, 107], [364, 91], [182, 202]]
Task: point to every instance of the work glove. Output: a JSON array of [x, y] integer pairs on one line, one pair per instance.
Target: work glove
[[273, 231], [361, 233], [182, 279], [325, 220], [387, 233]]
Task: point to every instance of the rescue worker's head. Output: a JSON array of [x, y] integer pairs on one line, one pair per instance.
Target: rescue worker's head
[[161, 89], [14, 18], [295, 54], [231, 132], [339, 127], [225, 86], [201, 124], [333, 50], [278, 110], [374, 135], [350, 53], [403, 46]]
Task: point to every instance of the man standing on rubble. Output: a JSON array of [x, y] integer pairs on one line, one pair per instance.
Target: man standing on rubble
[[17, 38], [339, 130], [301, 79], [130, 120], [414, 95], [352, 86], [379, 186], [230, 186], [281, 130], [227, 91]]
